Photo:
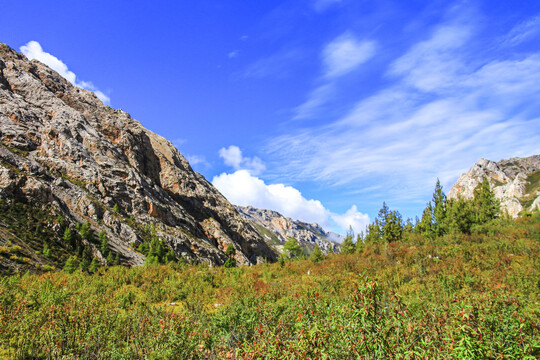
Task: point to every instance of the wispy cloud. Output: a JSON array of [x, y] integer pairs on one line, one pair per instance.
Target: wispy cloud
[[277, 65], [524, 31], [444, 108], [345, 53], [232, 156], [341, 56], [33, 50], [322, 5], [242, 188]]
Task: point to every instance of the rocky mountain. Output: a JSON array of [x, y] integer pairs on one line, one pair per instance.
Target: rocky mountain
[[515, 182], [276, 229], [63, 151]]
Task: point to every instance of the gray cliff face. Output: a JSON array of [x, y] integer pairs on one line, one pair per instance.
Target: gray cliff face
[[60, 146], [515, 182], [276, 229]]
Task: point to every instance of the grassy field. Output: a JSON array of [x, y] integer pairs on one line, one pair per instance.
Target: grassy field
[[455, 297]]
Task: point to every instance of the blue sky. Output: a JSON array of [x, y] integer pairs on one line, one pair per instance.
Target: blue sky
[[320, 109]]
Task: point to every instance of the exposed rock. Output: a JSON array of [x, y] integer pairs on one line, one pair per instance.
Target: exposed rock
[[277, 229], [60, 146], [514, 182]]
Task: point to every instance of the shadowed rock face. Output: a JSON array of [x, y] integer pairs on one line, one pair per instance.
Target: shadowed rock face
[[60, 146], [515, 182]]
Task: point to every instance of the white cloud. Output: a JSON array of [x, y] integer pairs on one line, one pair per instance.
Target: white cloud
[[524, 31], [352, 218], [345, 53], [233, 54], [444, 109], [232, 156], [33, 50], [242, 188]]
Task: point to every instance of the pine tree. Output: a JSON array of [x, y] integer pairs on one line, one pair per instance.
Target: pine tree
[[230, 252], [348, 246], [84, 264], [393, 227], [317, 255], [46, 250], [485, 205], [440, 226], [460, 216], [94, 266], [110, 259], [68, 236], [71, 265], [86, 232], [104, 243], [425, 226], [294, 250], [373, 233]]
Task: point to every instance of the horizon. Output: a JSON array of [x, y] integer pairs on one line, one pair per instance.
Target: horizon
[[321, 110]]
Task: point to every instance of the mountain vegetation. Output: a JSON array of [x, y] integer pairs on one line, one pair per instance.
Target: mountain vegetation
[[461, 282]]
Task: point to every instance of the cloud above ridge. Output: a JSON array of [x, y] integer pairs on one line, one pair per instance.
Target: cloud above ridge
[[242, 188], [33, 50]]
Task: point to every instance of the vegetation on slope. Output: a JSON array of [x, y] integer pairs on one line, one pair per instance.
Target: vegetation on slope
[[427, 290]]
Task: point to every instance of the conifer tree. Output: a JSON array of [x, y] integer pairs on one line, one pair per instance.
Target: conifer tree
[[425, 226], [393, 227], [373, 233], [94, 265], [230, 252], [71, 265], [460, 216], [440, 226], [294, 250], [86, 232], [68, 236], [485, 205], [317, 255], [104, 243], [348, 246]]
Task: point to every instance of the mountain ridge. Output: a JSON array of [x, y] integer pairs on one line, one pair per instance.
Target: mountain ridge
[[279, 228], [62, 147], [514, 181]]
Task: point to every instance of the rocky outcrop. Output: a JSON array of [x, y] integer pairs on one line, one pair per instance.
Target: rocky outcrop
[[62, 148], [515, 182], [276, 229]]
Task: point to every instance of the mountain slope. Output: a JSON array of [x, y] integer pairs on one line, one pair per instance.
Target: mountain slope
[[276, 229], [63, 149], [515, 182]]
